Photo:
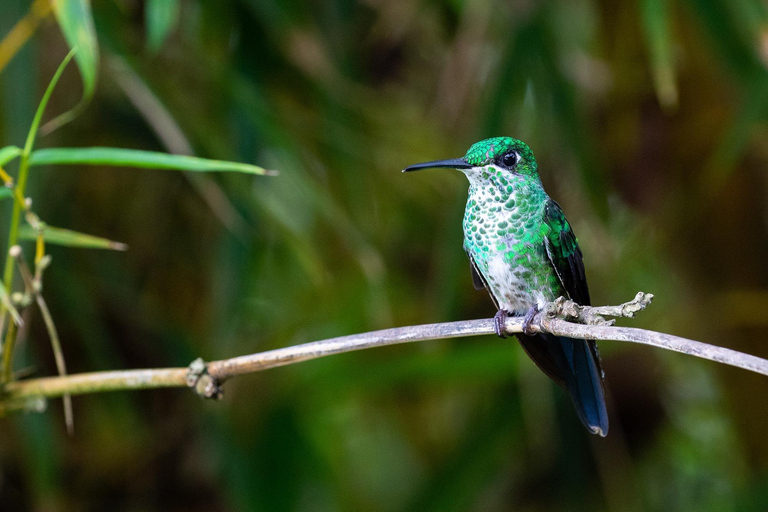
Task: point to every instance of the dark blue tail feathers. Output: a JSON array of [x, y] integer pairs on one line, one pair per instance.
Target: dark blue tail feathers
[[575, 365]]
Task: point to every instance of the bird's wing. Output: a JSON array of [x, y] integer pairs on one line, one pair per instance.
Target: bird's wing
[[570, 362], [564, 254], [478, 280]]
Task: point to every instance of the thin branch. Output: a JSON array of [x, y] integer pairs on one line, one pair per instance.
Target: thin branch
[[207, 378], [61, 366], [96, 382], [33, 285], [660, 340], [222, 370]]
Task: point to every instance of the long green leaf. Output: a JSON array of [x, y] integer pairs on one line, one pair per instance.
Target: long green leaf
[[161, 18], [76, 22], [656, 24], [32, 134], [137, 158], [8, 153], [69, 238]]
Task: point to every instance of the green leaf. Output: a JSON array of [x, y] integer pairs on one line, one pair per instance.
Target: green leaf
[[69, 238], [8, 153], [161, 17], [137, 158], [5, 192], [76, 22], [44, 103], [656, 24]]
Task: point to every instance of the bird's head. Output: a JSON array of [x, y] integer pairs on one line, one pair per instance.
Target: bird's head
[[490, 157]]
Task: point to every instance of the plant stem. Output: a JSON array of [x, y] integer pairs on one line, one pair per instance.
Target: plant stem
[[13, 236]]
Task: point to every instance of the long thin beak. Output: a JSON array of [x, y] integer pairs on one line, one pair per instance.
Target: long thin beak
[[456, 163]]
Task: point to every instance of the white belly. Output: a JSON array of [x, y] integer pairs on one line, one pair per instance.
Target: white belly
[[509, 290]]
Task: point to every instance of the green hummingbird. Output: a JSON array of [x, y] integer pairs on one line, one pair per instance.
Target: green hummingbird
[[523, 251]]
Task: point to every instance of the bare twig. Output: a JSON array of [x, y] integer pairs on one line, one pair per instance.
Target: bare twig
[[594, 315], [33, 285], [207, 378], [61, 367]]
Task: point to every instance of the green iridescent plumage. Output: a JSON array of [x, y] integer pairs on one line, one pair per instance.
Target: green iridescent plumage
[[523, 250], [504, 231]]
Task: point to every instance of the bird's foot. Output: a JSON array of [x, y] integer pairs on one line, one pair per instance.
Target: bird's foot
[[499, 319], [528, 320]]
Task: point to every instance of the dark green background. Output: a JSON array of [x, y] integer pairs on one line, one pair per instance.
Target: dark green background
[[648, 119]]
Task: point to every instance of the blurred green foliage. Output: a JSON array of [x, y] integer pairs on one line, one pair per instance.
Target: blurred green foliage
[[648, 119]]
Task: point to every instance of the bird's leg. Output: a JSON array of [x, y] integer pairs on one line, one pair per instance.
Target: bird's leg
[[499, 319], [528, 319]]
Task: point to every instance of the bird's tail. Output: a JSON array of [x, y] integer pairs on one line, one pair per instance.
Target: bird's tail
[[575, 365]]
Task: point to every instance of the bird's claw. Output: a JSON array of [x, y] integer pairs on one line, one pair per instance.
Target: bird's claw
[[528, 321], [499, 319]]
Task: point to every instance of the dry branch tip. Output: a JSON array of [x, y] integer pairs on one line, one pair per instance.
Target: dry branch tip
[[570, 311]]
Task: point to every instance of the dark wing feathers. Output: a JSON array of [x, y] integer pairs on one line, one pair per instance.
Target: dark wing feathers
[[564, 254], [572, 363], [477, 278], [581, 372]]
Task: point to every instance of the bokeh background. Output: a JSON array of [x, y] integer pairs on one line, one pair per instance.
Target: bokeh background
[[648, 118]]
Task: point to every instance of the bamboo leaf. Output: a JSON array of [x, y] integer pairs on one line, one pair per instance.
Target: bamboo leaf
[[32, 135], [76, 22], [8, 153], [137, 158], [656, 24], [69, 238], [161, 17]]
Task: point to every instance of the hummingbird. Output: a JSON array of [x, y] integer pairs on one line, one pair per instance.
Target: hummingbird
[[523, 251]]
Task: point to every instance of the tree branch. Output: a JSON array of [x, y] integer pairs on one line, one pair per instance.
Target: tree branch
[[206, 379]]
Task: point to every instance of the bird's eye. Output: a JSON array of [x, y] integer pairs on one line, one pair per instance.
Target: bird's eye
[[510, 159]]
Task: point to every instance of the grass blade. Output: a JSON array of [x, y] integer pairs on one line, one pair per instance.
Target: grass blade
[[656, 24], [141, 159], [32, 135], [69, 238], [76, 22], [8, 153]]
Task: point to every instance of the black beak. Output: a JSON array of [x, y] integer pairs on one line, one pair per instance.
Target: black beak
[[456, 163]]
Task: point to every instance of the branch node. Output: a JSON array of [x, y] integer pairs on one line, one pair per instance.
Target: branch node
[[201, 381]]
